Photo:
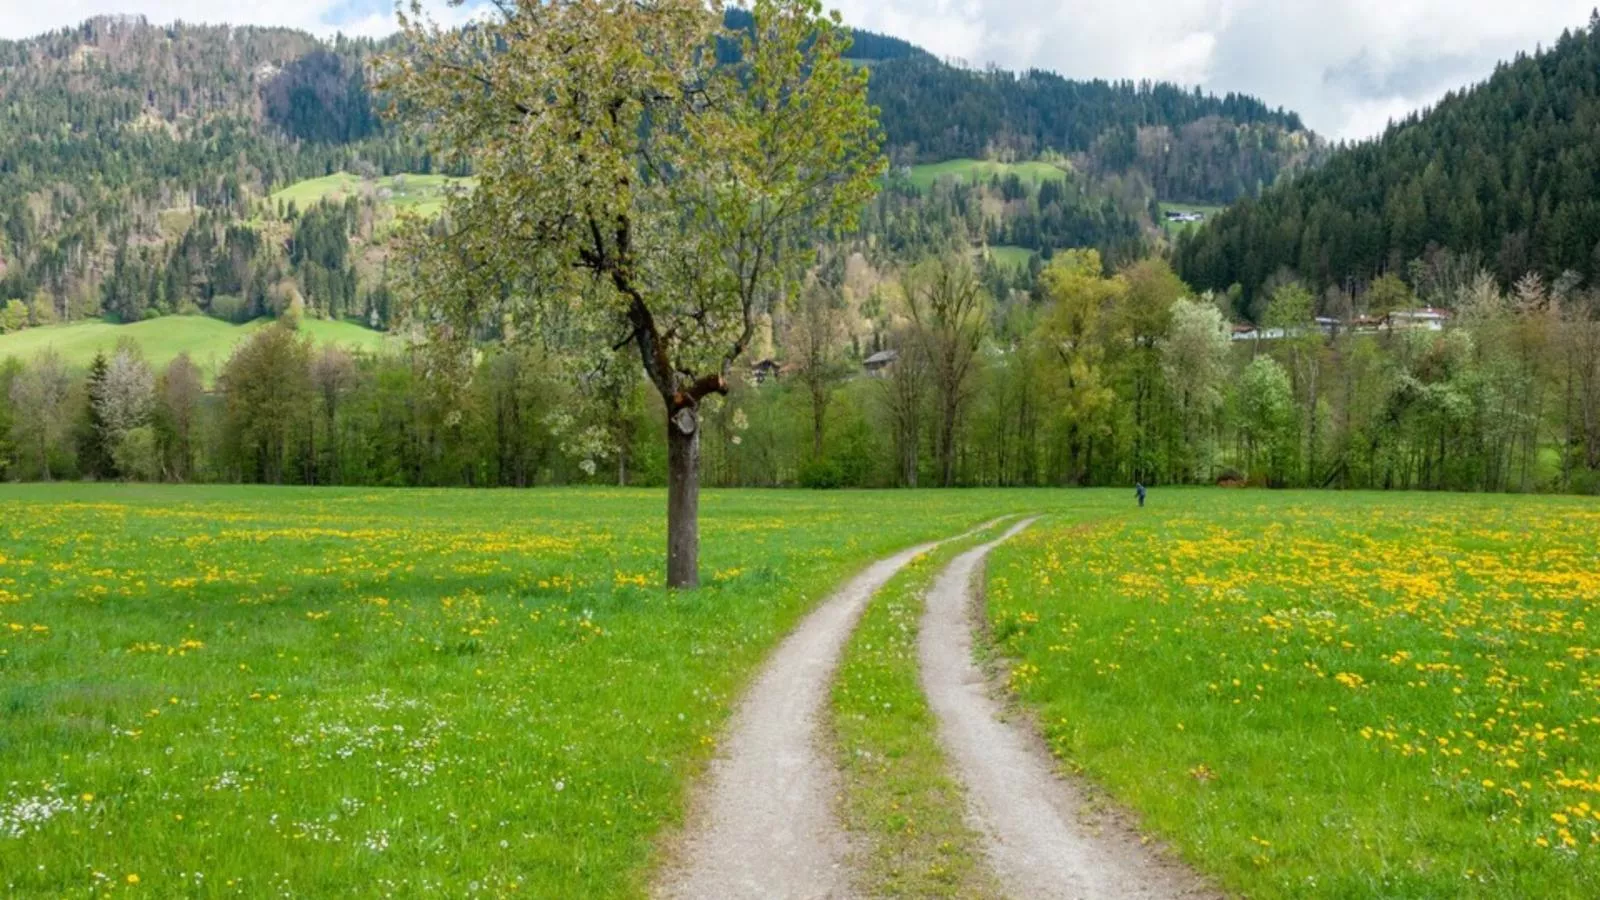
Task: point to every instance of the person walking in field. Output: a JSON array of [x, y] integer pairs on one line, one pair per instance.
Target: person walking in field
[[1138, 491]]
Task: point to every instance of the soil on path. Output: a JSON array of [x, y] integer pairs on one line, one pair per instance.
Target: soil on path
[[764, 824], [1037, 836]]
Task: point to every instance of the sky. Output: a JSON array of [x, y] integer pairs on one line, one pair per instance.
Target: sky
[[1347, 66]]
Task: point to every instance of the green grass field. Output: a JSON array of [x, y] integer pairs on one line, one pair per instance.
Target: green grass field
[[423, 194], [1015, 257], [1329, 695], [251, 691], [1173, 228], [208, 341], [924, 176]]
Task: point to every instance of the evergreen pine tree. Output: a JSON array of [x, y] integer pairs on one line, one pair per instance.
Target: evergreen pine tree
[[94, 450]]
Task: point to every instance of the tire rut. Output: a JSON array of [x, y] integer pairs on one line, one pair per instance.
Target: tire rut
[[764, 824], [1035, 836]]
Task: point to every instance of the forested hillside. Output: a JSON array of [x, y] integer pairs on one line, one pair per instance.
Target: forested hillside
[[1188, 145], [1010, 319], [133, 159], [136, 161], [1502, 174]]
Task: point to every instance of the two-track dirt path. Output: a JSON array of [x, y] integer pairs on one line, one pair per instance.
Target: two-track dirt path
[[763, 824], [1031, 820]]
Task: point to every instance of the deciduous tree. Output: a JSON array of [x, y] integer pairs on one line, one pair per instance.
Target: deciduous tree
[[636, 185]]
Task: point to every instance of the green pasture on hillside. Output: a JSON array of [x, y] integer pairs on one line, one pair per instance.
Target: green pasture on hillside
[[1173, 228], [208, 341], [424, 194], [1015, 257], [924, 176]]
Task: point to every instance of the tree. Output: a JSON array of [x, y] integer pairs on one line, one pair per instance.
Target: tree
[[612, 147], [39, 397], [905, 384], [94, 437], [13, 316], [815, 339], [10, 370], [1140, 323], [1386, 294], [126, 395], [950, 313], [267, 393], [1194, 357], [1079, 296], [1265, 402], [1291, 311], [333, 372], [177, 406]]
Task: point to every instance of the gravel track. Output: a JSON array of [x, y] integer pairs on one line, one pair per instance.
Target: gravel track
[[764, 824], [1040, 836]]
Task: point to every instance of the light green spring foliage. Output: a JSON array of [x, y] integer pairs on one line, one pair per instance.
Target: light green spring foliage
[[1073, 334], [630, 188]]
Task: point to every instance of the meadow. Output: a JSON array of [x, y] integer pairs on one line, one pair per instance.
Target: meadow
[[1331, 695], [1015, 257], [208, 341], [923, 176], [422, 194], [1173, 228], [253, 690], [244, 691]]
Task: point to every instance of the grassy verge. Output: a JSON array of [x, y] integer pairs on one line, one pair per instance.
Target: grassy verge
[[903, 808], [1332, 695], [335, 692]]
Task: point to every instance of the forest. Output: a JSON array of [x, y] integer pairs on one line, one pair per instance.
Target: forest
[[992, 331], [1502, 174], [1086, 379], [136, 159]]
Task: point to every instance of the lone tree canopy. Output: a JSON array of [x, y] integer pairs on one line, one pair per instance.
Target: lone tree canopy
[[645, 177]]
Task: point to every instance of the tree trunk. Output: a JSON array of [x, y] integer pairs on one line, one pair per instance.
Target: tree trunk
[[819, 412], [947, 445], [683, 499]]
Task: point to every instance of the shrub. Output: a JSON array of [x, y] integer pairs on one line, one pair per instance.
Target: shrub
[[821, 474], [136, 455]]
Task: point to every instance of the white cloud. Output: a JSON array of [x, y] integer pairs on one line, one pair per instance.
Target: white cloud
[[1348, 66], [372, 18]]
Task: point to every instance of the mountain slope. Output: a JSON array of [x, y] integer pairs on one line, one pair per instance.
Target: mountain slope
[[1504, 172], [140, 166]]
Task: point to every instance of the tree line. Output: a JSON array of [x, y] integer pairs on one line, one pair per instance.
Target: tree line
[[1088, 378]]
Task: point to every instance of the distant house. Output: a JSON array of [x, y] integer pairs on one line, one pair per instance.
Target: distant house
[[1180, 215], [1425, 319], [879, 361], [1329, 325]]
